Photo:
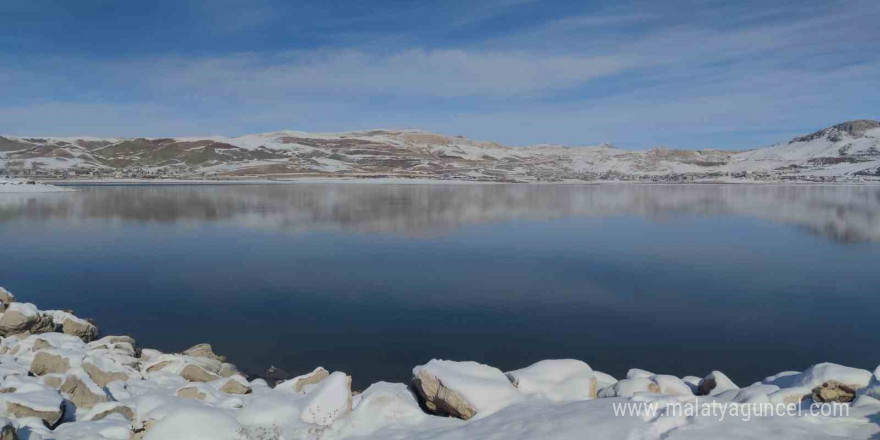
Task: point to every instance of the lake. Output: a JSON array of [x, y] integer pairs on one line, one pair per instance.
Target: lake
[[373, 279]]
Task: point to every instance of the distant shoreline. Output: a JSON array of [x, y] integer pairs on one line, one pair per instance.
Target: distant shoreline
[[413, 181]]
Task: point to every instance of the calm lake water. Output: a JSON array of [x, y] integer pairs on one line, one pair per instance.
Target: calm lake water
[[375, 279]]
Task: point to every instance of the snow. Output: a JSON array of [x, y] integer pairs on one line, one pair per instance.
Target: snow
[[330, 400], [384, 404], [820, 373], [26, 309], [39, 398], [556, 380], [196, 424]]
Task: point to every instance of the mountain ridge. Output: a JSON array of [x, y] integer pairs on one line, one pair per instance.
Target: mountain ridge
[[849, 151]]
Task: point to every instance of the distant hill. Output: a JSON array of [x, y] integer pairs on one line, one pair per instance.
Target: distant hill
[[847, 151]]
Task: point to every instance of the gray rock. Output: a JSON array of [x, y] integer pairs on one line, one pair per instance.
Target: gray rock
[[118, 409], [190, 392], [49, 363], [101, 377], [80, 393], [14, 322], [194, 373], [50, 418], [442, 400], [82, 329], [233, 386], [203, 351], [833, 391]]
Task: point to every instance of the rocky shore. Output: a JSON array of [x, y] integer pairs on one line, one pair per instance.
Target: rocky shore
[[60, 379]]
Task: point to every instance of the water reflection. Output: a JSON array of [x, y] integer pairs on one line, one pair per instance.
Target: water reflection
[[841, 213]]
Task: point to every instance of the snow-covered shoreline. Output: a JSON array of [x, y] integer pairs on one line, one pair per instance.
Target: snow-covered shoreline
[[416, 181], [25, 186], [59, 381]]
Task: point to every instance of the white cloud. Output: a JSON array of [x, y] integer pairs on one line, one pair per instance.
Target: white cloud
[[442, 73]]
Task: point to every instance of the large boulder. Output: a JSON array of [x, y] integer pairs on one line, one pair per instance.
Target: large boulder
[[191, 392], [300, 384], [125, 344], [24, 318], [236, 385], [80, 328], [557, 380], [46, 405], [384, 404], [82, 390], [274, 376], [193, 369], [103, 371], [329, 401], [463, 389], [54, 362], [195, 373], [815, 376], [203, 351], [714, 383]]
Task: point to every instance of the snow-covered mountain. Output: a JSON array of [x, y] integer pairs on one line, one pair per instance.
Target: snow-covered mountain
[[847, 151]]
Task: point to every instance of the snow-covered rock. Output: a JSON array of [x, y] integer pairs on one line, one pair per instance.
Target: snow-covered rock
[[303, 383], [329, 401], [557, 380], [629, 387], [463, 389], [80, 389], [855, 378], [72, 325], [671, 385], [42, 403], [384, 404], [203, 351], [24, 317], [714, 383]]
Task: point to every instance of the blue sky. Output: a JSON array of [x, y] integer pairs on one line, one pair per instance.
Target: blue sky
[[684, 74]]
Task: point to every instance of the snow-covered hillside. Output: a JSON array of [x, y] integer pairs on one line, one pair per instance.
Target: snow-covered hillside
[[848, 151]]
